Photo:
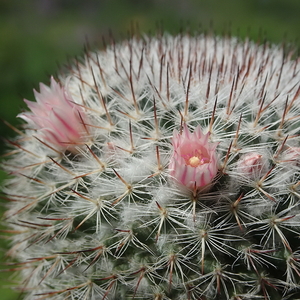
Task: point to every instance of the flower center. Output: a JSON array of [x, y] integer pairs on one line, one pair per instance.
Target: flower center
[[195, 158], [194, 161]]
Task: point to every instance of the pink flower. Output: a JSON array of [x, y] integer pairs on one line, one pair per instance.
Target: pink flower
[[55, 117], [194, 160], [253, 165], [291, 155]]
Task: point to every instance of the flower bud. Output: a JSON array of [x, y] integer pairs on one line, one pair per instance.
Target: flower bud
[[55, 117], [252, 165]]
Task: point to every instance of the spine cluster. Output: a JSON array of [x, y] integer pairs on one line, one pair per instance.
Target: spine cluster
[[160, 168]]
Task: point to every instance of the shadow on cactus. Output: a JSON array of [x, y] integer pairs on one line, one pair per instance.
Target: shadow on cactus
[[160, 168]]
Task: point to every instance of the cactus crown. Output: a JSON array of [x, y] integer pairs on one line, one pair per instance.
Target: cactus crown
[[161, 168]]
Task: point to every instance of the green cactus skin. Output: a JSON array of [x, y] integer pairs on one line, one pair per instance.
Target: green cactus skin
[[103, 219]]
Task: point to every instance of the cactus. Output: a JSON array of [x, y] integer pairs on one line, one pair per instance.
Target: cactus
[[160, 168]]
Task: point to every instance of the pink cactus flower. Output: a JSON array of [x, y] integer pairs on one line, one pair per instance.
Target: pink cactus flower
[[253, 165], [291, 155], [194, 162], [57, 120]]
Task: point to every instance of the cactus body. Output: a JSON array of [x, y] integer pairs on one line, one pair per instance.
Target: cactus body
[[99, 214]]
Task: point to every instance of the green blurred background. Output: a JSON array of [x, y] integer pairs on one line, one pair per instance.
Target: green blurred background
[[38, 35]]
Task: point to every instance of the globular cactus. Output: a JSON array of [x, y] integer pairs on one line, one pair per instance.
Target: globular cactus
[[160, 168]]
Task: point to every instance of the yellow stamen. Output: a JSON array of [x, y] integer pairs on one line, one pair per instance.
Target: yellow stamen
[[195, 161]]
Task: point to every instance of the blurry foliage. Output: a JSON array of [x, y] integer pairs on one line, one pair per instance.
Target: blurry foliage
[[37, 35]]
